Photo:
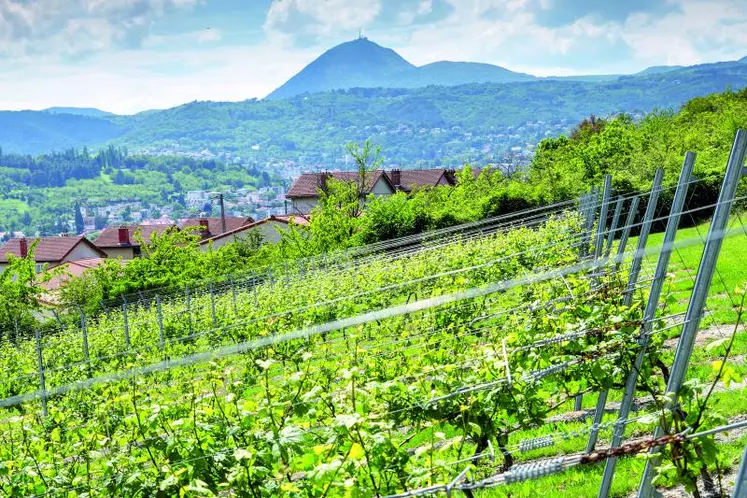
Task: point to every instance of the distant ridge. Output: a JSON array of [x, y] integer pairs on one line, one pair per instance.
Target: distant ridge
[[362, 63], [79, 111], [659, 70]]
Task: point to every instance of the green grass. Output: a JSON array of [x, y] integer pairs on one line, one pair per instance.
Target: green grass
[[683, 266]]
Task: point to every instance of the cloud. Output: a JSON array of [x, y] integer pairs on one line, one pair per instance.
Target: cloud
[[209, 36], [310, 21], [554, 13], [594, 37], [79, 27]]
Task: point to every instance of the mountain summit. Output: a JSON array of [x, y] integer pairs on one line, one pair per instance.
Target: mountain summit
[[362, 63], [358, 63]]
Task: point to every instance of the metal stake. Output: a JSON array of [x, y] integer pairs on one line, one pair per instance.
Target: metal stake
[[233, 293], [162, 338], [598, 245], [626, 231], [635, 269], [84, 332], [40, 362], [613, 227], [212, 305], [126, 325], [649, 316], [699, 294], [602, 225], [189, 308], [740, 487]]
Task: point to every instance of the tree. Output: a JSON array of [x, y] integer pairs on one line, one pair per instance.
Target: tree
[[19, 292], [367, 160], [79, 223]]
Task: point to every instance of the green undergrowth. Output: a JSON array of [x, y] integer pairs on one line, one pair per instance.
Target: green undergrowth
[[395, 402]]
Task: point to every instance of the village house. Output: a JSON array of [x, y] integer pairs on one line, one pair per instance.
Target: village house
[[61, 275], [210, 227], [121, 242], [304, 194], [50, 251], [269, 229]]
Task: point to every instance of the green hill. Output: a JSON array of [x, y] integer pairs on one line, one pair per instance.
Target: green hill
[[364, 64], [79, 111], [35, 132], [447, 125], [358, 63]]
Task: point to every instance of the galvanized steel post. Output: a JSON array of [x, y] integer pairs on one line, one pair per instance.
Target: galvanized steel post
[[84, 333], [714, 239], [598, 245], [40, 362], [649, 315], [635, 268], [161, 336], [126, 325], [212, 304], [613, 227], [632, 212], [648, 220], [233, 293], [602, 225], [740, 486]]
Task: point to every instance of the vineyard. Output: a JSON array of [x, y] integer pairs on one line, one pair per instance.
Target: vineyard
[[525, 355]]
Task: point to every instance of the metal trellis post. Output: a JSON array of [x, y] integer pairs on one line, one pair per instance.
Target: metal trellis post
[[602, 225], [635, 269], [189, 308], [162, 339], [598, 245], [126, 325], [648, 219], [212, 305], [84, 333], [613, 227], [633, 211], [719, 223], [740, 486], [40, 361], [649, 316], [233, 293]]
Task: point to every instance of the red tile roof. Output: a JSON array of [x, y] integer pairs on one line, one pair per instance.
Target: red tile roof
[[298, 220], [295, 218], [63, 273], [308, 184], [109, 237], [215, 226], [419, 178], [48, 250]]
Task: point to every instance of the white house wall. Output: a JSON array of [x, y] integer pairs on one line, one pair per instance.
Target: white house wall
[[82, 251], [304, 205]]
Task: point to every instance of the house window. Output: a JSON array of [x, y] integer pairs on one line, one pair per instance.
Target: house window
[[39, 267]]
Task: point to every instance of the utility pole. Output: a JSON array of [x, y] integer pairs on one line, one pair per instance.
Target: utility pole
[[219, 195]]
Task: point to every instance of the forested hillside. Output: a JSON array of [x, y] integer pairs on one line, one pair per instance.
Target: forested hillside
[[479, 123], [40, 193]]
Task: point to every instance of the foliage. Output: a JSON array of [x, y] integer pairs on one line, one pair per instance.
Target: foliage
[[344, 413], [45, 194], [19, 293]]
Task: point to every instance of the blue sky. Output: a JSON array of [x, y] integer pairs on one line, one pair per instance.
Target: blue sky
[[130, 55]]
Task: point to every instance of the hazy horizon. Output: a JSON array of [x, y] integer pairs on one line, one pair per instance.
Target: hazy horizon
[[126, 56]]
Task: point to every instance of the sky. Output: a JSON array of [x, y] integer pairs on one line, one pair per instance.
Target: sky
[[126, 56]]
